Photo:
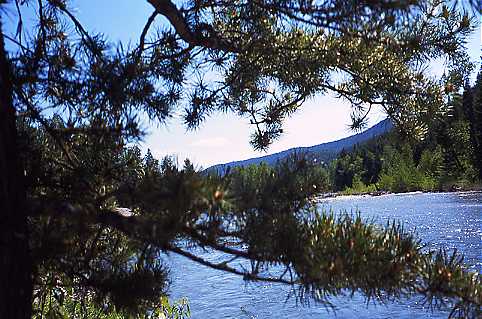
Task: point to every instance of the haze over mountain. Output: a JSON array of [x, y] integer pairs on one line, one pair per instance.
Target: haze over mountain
[[324, 152]]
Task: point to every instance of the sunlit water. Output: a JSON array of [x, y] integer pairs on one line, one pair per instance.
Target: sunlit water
[[448, 220]]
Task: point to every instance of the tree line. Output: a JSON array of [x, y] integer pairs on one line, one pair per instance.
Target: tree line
[[448, 158]]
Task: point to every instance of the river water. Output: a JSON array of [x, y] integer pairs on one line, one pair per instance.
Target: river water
[[441, 220]]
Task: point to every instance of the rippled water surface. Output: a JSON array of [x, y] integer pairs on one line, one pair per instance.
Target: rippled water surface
[[449, 220]]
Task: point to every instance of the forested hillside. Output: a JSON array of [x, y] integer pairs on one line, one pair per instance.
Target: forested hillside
[[323, 153], [448, 158]]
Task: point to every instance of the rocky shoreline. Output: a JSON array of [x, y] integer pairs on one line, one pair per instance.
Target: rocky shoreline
[[380, 193]]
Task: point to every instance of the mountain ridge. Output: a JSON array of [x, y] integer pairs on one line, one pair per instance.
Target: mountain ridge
[[323, 152]]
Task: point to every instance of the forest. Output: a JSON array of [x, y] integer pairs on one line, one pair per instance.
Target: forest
[[448, 158], [87, 219]]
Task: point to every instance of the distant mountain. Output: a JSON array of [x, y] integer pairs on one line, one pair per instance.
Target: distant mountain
[[325, 152]]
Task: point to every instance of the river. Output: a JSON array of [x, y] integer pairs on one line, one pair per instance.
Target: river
[[441, 220]]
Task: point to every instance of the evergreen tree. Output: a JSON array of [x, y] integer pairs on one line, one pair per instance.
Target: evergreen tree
[[473, 102], [81, 209]]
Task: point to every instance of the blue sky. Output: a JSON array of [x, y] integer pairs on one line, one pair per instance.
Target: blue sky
[[224, 137]]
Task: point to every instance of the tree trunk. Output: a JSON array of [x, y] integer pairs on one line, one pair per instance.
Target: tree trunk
[[15, 262]]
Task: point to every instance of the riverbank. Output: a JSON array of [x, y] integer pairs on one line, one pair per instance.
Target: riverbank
[[350, 192]]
